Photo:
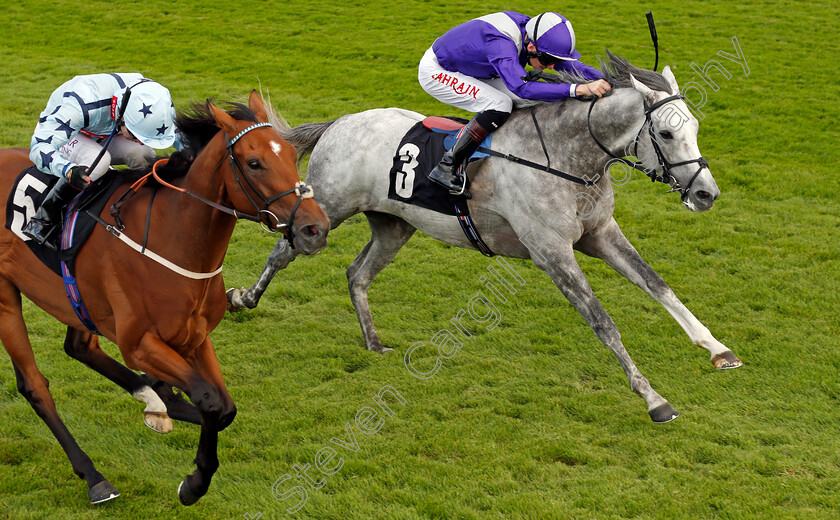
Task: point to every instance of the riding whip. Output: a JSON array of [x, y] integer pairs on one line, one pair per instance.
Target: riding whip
[[120, 114], [653, 37]]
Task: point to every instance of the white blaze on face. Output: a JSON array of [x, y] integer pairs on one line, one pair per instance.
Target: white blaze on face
[[275, 147]]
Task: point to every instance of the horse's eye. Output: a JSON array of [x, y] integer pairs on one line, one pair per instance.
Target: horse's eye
[[665, 134], [254, 164]]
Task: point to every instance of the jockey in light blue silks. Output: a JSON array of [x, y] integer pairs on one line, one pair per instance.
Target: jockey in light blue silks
[[80, 116], [479, 66]]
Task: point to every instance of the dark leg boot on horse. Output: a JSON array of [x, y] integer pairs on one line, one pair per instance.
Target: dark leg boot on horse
[[45, 225], [448, 173]]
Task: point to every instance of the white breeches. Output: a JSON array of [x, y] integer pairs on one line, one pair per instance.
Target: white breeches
[[466, 92], [83, 150]]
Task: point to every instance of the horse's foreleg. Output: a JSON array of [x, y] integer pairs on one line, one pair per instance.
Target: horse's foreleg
[[612, 246], [200, 378], [32, 384], [388, 235], [205, 362], [280, 257], [195, 485], [558, 261], [84, 346]]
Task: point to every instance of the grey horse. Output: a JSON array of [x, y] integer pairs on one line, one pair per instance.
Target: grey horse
[[522, 212]]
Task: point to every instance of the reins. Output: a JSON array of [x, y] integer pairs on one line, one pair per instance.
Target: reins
[[666, 177], [224, 209], [302, 190], [546, 167]]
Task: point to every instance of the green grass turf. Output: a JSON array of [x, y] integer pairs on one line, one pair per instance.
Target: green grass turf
[[533, 419]]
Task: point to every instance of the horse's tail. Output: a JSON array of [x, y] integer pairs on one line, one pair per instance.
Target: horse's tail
[[305, 137]]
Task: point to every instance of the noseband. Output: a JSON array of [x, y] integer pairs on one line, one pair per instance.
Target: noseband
[[666, 177]]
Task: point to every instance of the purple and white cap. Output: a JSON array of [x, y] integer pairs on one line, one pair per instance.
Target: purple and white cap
[[552, 34]]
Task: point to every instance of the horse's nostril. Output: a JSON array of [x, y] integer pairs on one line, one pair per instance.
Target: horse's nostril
[[311, 231], [704, 195]]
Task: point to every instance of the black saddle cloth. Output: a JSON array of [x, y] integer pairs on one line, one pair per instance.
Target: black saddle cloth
[[419, 151], [29, 190]]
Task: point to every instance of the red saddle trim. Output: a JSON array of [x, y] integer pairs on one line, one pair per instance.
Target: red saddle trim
[[441, 123]]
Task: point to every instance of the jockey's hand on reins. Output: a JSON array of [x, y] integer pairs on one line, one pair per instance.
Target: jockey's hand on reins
[[78, 178]]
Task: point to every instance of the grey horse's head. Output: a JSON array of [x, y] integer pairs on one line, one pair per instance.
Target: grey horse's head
[[675, 130]]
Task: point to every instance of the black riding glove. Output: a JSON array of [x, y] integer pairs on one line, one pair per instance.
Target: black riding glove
[[76, 177]]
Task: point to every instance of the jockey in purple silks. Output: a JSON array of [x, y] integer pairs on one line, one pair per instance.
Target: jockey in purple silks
[[478, 66]]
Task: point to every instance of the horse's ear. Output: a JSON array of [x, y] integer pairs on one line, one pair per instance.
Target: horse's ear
[[257, 106], [669, 76], [641, 87], [223, 120]]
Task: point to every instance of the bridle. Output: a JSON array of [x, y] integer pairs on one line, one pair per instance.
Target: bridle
[[302, 190], [666, 166]]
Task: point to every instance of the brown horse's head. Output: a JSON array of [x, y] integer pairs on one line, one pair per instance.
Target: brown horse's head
[[262, 179]]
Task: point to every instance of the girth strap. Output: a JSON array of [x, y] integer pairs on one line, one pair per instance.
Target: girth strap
[[468, 227], [70, 285]]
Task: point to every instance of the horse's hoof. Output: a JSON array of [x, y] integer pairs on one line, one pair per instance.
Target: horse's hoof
[[158, 421], [186, 496], [234, 299], [726, 360], [663, 413], [377, 346], [102, 492], [240, 299]]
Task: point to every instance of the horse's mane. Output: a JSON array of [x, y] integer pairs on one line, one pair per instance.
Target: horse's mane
[[617, 71], [198, 126], [277, 121]]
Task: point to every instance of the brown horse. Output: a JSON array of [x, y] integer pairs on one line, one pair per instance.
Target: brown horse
[[160, 319]]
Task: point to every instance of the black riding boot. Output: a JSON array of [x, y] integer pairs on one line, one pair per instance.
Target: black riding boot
[[45, 225], [447, 173]]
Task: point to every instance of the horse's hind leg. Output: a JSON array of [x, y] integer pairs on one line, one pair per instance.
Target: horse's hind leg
[[83, 346], [610, 245], [388, 235], [35, 388], [280, 257]]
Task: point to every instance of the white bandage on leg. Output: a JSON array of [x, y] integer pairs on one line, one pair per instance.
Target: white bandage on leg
[[150, 397]]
